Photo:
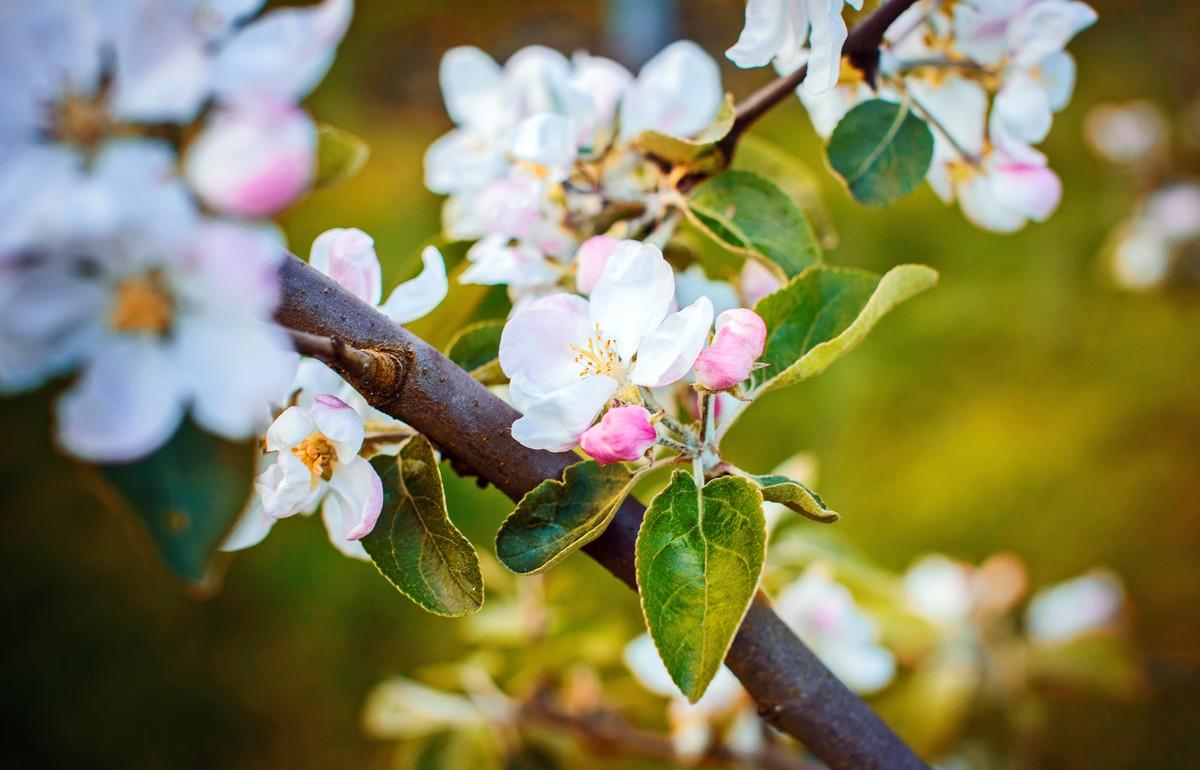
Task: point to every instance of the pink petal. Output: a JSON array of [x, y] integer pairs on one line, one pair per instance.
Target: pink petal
[[592, 257], [741, 335], [622, 435]]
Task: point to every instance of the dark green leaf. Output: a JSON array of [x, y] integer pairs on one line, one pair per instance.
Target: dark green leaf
[[558, 517], [749, 215], [414, 543], [476, 348], [881, 150], [340, 155], [794, 495], [823, 313], [797, 180], [699, 558], [188, 494], [699, 153]]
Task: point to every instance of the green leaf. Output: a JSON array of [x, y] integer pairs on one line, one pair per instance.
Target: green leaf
[[881, 150], [823, 313], [699, 558], [477, 348], [340, 155], [797, 180], [794, 495], [700, 152], [188, 494], [414, 543], [557, 517], [749, 215]]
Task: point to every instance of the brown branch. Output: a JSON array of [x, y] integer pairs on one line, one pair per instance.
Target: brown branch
[[861, 47], [608, 733], [795, 693]]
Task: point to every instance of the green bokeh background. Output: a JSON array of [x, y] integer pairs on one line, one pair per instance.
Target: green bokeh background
[[1024, 405]]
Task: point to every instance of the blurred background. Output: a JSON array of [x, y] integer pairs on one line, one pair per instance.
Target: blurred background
[[1026, 405]]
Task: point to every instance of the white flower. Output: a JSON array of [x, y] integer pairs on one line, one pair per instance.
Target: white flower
[[825, 616], [791, 31], [678, 92], [1088, 604], [316, 460], [566, 356], [1127, 133], [940, 589]]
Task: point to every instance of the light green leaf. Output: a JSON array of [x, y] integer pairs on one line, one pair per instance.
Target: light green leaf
[[699, 558], [823, 313], [475, 748], [557, 517], [414, 543], [477, 348], [794, 495], [188, 494], [700, 152], [881, 150], [749, 215], [797, 180], [340, 155]]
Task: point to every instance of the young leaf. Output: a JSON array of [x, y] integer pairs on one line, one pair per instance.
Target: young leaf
[[188, 494], [823, 313], [700, 152], [557, 517], [747, 214], [794, 177], [414, 543], [477, 348], [794, 495], [881, 150], [699, 557], [340, 155]]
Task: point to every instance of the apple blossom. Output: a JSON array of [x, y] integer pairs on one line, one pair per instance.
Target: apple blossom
[[792, 32], [825, 616], [940, 589], [736, 345], [1127, 133], [567, 356], [624, 434], [590, 260], [1087, 604], [678, 92]]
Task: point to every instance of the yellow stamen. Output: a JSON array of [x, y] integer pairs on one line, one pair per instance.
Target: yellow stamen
[[319, 455], [81, 120], [143, 305], [598, 356]]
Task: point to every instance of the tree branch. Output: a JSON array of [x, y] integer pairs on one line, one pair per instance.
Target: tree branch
[[861, 47], [795, 693]]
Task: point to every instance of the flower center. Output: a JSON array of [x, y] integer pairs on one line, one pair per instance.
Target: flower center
[[143, 305], [81, 120], [598, 356], [318, 454]]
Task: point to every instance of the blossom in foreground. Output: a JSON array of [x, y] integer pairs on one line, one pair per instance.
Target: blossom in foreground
[[567, 356], [794, 32], [1087, 604], [736, 345], [825, 616], [317, 460]]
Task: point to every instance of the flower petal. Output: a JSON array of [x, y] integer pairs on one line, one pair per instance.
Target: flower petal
[[419, 296], [737, 344], [762, 35], [337, 524], [470, 81], [678, 92], [591, 258], [339, 423], [286, 487], [633, 294], [251, 528], [1046, 27], [538, 343], [347, 255], [360, 493], [826, 38], [667, 353], [557, 420], [292, 426], [622, 435]]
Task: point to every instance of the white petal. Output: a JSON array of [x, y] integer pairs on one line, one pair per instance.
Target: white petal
[[127, 403], [347, 255], [291, 427], [668, 352], [286, 487], [642, 658], [1056, 73], [556, 421], [470, 79], [632, 295], [763, 34], [419, 296], [250, 529], [604, 82], [979, 203], [1023, 107], [538, 80], [1032, 190], [162, 65], [865, 668], [547, 141], [340, 424], [693, 283], [981, 28], [281, 56], [826, 39], [538, 343], [495, 261], [678, 92], [958, 104], [1046, 28], [463, 161], [359, 491], [337, 524]]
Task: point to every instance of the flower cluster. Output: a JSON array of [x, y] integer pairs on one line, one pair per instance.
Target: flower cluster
[[314, 453], [115, 267], [568, 357], [988, 76], [543, 150]]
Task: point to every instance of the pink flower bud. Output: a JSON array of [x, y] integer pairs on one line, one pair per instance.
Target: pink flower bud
[[347, 255], [592, 257], [623, 434], [737, 344], [253, 161]]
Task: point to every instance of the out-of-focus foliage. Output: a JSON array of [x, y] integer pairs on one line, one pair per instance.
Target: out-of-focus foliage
[[1027, 407]]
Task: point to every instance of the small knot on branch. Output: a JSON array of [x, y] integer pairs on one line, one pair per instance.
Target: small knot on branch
[[376, 372]]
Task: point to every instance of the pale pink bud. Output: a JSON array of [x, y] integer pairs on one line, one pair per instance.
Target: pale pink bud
[[757, 282], [253, 161], [592, 257], [623, 434], [737, 344], [347, 255], [1031, 189]]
